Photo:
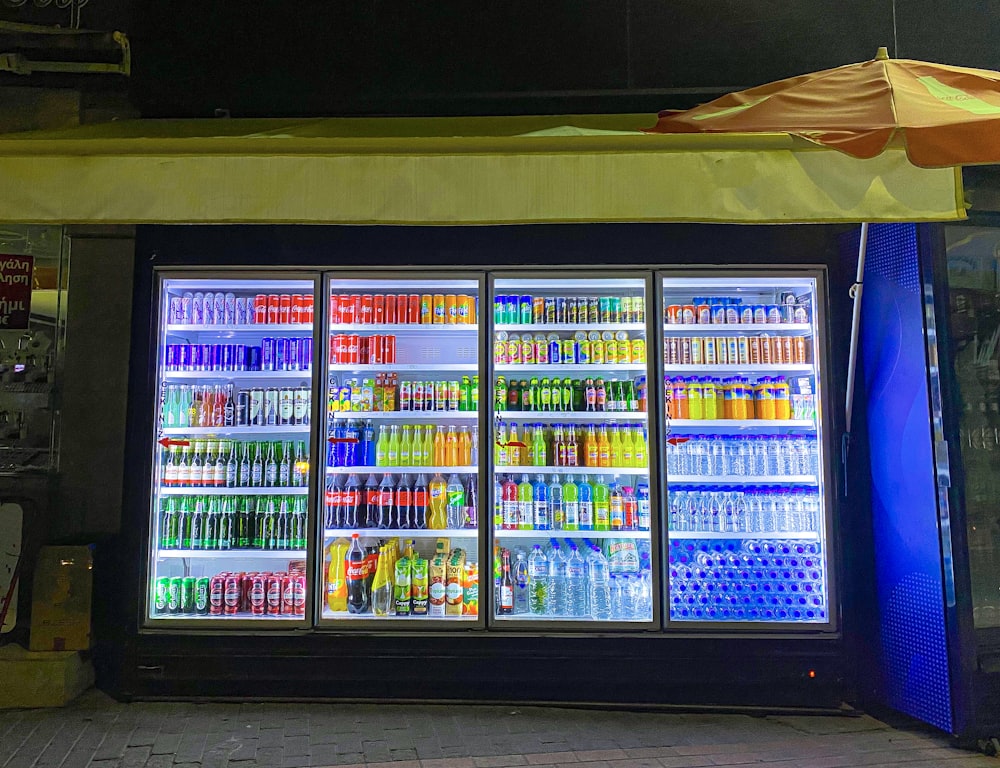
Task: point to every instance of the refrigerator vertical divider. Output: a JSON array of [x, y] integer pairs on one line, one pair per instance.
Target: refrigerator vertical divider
[[656, 427], [486, 500], [314, 542], [821, 358]]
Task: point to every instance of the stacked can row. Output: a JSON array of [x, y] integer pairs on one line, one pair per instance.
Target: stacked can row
[[229, 309], [222, 405], [354, 349], [548, 310], [720, 310], [577, 395], [277, 593], [223, 523], [760, 349], [405, 309], [594, 348], [273, 354], [386, 393], [231, 464], [727, 456]]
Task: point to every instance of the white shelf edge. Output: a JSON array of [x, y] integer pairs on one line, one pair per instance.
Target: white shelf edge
[[804, 535], [743, 423], [194, 490], [402, 533], [751, 368], [567, 367], [255, 430], [513, 470], [401, 470], [227, 375], [232, 554], [500, 533], [743, 480], [344, 616], [418, 415]]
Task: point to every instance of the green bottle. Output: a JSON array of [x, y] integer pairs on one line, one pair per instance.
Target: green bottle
[[540, 459], [602, 505]]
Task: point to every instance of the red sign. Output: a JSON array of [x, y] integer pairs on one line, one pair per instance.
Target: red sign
[[15, 291]]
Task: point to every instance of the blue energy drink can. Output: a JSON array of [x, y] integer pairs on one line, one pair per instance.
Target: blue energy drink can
[[268, 353], [292, 361], [255, 359], [228, 354], [281, 354], [305, 353], [173, 352], [206, 357], [240, 357]]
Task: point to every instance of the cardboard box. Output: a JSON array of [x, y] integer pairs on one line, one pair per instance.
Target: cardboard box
[[61, 598]]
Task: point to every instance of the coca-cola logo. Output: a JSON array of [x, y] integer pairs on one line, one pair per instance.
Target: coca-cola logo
[[356, 570]]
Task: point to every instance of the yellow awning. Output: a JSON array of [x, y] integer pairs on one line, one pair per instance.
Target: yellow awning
[[507, 170]]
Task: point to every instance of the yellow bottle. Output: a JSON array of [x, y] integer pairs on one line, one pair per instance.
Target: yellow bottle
[[640, 451], [437, 492], [451, 448], [765, 399], [590, 448], [336, 577], [603, 448], [406, 447], [464, 447], [427, 454], [708, 398], [501, 456], [628, 447], [439, 447], [392, 450], [616, 447], [696, 407], [782, 401]]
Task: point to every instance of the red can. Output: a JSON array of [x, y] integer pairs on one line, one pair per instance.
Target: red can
[[402, 308], [366, 314], [232, 595], [351, 313], [258, 594], [297, 307], [413, 309], [216, 594], [285, 308], [260, 308], [287, 595], [307, 309], [376, 351], [245, 580], [273, 594], [273, 308], [353, 349], [378, 309], [342, 349], [334, 308], [389, 349], [391, 315], [299, 595]]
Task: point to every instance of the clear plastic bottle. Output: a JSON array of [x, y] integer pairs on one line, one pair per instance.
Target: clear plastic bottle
[[615, 591], [522, 584], [538, 582], [575, 584], [455, 503], [557, 582], [717, 456], [600, 586]]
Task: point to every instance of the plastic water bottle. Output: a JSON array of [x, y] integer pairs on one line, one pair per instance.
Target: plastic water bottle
[[600, 586], [759, 457], [775, 457], [717, 454], [557, 582], [615, 591], [645, 511], [538, 581], [575, 584], [629, 594], [522, 584]]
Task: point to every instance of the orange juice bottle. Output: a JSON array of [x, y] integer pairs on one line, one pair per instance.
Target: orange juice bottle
[[782, 401], [710, 403], [765, 399], [451, 448], [439, 447], [603, 448], [680, 398], [695, 399], [464, 447], [728, 390], [590, 451]]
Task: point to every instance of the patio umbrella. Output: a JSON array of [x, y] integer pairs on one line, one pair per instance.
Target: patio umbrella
[[942, 115]]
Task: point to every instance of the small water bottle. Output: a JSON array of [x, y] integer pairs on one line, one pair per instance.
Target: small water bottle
[[717, 464], [617, 604], [628, 595]]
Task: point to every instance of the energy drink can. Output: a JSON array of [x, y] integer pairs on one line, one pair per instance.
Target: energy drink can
[[210, 357], [193, 355], [269, 354], [240, 317], [187, 309], [173, 353], [256, 414], [255, 359], [526, 312], [305, 353], [550, 309], [292, 361], [174, 310], [229, 308], [207, 307], [626, 309], [604, 304], [218, 308], [572, 313], [638, 309], [538, 310], [228, 356], [242, 408]]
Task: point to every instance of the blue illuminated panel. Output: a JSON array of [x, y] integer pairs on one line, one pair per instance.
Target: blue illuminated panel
[[913, 663]]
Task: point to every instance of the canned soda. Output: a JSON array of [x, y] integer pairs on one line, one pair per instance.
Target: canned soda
[[201, 596], [454, 394], [367, 309], [709, 351], [773, 313], [568, 351], [216, 594], [638, 309], [742, 350], [334, 308], [426, 309], [528, 350], [685, 346], [187, 594], [583, 351], [273, 586], [187, 310], [626, 309], [389, 344], [353, 349], [391, 309], [413, 309], [295, 313], [538, 310], [439, 315], [604, 306], [550, 309], [299, 594], [554, 349], [624, 351], [638, 351], [161, 595], [673, 350], [759, 314], [799, 353], [755, 353], [597, 351], [615, 309], [269, 354], [703, 314]]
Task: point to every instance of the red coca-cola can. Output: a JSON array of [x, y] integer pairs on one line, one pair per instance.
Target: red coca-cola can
[[297, 305], [258, 594], [274, 593], [307, 309], [273, 308], [413, 309], [353, 349], [375, 351], [334, 308], [260, 308], [402, 309], [389, 349], [287, 595], [285, 308], [338, 348], [391, 315], [232, 595], [217, 594], [299, 595], [366, 309], [378, 308], [351, 311]]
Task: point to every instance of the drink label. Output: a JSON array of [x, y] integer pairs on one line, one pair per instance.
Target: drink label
[[586, 514]]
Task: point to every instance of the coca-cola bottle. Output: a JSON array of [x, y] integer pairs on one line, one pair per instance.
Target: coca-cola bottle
[[404, 502], [386, 502], [371, 502], [357, 588], [351, 501], [419, 502]]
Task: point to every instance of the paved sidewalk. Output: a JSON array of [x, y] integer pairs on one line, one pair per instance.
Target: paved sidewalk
[[98, 732]]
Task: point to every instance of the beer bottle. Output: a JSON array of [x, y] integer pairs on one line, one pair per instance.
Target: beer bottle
[[168, 523], [198, 524], [218, 406], [270, 523], [299, 466], [506, 605], [219, 474], [243, 474], [298, 534], [271, 468], [227, 527], [242, 534], [195, 468], [170, 469], [474, 394], [283, 524], [229, 409], [184, 523], [208, 464], [211, 525], [285, 468], [232, 466], [513, 396]]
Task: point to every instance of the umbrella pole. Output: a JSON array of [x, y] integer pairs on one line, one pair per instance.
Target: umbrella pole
[[852, 358]]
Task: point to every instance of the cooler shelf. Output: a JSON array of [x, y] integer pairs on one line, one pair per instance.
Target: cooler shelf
[[234, 554], [538, 327], [403, 533], [402, 470], [194, 490], [804, 535], [736, 329], [411, 415], [502, 533], [743, 479], [598, 417]]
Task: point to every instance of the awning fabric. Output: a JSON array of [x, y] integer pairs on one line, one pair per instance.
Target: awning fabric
[[508, 170]]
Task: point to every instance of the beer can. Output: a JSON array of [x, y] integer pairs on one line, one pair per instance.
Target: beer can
[[389, 348], [391, 309], [300, 406], [638, 351], [187, 310], [219, 309], [240, 317], [550, 309], [427, 308], [538, 310], [572, 314], [242, 408], [161, 595], [287, 595], [773, 313], [685, 345], [268, 354], [742, 350], [271, 406], [638, 309], [286, 405], [232, 594], [335, 314], [673, 314], [273, 592], [174, 594], [673, 350], [718, 313], [439, 313], [256, 408], [201, 596], [187, 594], [413, 309], [258, 594], [604, 305], [255, 359], [688, 315], [216, 594], [697, 350], [451, 309], [710, 356], [366, 310], [299, 594]]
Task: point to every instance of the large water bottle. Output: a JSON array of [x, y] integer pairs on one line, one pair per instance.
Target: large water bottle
[[600, 586], [759, 456], [775, 457], [557, 582], [678, 515], [576, 584], [741, 513], [629, 594], [538, 581], [717, 456], [644, 604], [727, 519]]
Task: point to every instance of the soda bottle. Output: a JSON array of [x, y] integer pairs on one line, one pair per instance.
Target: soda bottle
[[351, 502], [471, 503], [540, 491], [586, 504], [386, 501], [616, 454], [506, 606], [538, 581], [617, 506], [602, 505], [439, 447], [381, 586], [382, 447], [451, 448], [557, 513], [371, 565], [514, 452], [538, 448], [474, 447], [521, 584], [371, 499], [357, 598], [474, 394], [455, 503], [525, 504], [419, 514], [404, 503], [406, 447], [464, 447], [571, 505], [437, 501], [392, 447], [510, 504], [628, 447], [427, 451], [590, 450]]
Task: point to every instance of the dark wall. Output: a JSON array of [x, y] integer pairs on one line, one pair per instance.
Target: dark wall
[[315, 57]]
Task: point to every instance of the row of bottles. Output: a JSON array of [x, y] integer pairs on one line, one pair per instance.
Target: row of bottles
[[571, 445], [731, 398], [565, 504], [234, 464], [558, 395], [222, 405], [233, 522], [750, 456], [353, 444], [403, 503]]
